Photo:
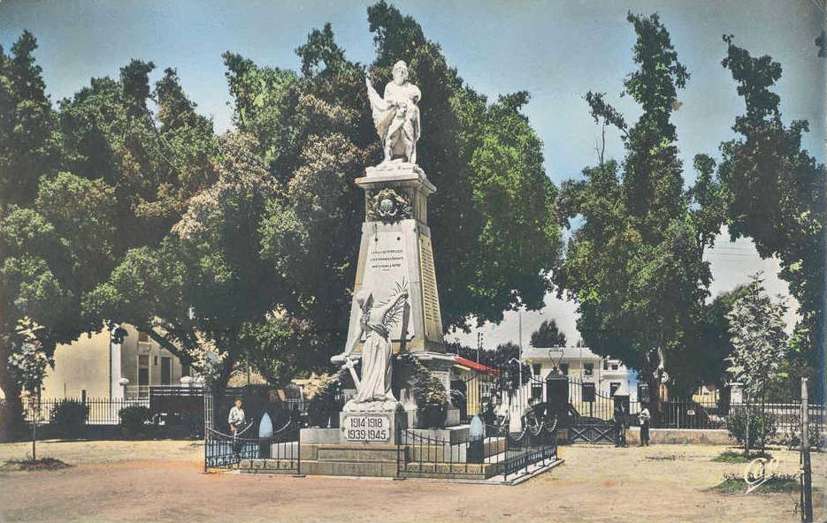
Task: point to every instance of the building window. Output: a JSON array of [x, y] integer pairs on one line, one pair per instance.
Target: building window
[[536, 368], [605, 364], [564, 368], [143, 337], [155, 360], [143, 370], [613, 386], [614, 366], [588, 369], [166, 371]]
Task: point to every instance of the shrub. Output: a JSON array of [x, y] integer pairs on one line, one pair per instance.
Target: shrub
[[762, 427], [322, 411], [133, 420], [69, 418], [430, 394], [791, 436]]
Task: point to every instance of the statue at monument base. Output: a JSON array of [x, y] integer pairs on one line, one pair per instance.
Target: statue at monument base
[[373, 389]]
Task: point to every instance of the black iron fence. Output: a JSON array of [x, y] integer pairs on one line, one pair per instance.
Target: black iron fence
[[281, 449], [460, 454], [99, 411], [590, 406], [690, 414]]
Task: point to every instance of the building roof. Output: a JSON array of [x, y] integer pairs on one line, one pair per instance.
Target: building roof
[[473, 365], [562, 353]]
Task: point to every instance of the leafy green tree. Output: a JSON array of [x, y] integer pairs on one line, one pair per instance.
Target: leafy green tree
[[759, 344], [773, 192], [204, 291], [635, 265], [548, 335], [56, 233], [715, 339], [154, 162]]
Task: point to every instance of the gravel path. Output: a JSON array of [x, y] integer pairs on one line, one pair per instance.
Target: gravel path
[[161, 481]]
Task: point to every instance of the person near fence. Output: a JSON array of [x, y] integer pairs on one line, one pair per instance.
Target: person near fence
[[236, 420], [644, 417], [619, 418]]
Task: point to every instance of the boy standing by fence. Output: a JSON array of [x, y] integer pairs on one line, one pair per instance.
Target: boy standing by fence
[[236, 420], [644, 417]]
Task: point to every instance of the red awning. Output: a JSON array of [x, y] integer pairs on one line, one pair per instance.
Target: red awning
[[473, 365]]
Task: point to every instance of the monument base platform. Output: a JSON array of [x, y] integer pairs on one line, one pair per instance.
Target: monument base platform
[[422, 453]]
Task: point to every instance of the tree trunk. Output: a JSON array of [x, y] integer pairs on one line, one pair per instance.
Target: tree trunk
[[11, 417], [218, 390], [746, 428]]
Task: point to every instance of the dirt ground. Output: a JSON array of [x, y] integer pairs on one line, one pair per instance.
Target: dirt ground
[[162, 481]]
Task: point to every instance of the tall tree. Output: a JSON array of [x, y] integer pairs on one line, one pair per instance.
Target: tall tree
[[201, 292], [635, 265], [39, 256], [548, 335], [154, 162], [774, 193], [100, 176]]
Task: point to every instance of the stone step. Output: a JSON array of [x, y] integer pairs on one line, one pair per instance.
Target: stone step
[[268, 466], [451, 470], [363, 454], [349, 468]]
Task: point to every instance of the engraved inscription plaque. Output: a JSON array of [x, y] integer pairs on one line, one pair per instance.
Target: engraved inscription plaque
[[367, 428], [430, 297], [386, 269]]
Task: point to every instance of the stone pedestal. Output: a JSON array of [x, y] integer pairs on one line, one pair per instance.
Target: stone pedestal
[[396, 251]]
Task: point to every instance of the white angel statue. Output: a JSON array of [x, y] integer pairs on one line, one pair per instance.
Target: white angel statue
[[396, 117], [374, 323]]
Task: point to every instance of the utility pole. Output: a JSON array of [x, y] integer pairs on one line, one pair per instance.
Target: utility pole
[[806, 470], [479, 345], [520, 316]]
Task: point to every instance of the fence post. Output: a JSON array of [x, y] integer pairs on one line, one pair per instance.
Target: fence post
[[806, 472], [206, 429], [299, 450]]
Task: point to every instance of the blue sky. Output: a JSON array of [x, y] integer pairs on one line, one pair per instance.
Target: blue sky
[[556, 50]]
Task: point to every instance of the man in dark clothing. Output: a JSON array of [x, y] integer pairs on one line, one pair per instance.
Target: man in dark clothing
[[620, 424]]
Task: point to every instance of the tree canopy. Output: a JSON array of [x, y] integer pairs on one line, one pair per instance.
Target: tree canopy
[[635, 264], [773, 191], [548, 335]]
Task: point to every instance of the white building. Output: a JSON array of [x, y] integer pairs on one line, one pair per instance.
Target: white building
[[95, 367], [608, 374]]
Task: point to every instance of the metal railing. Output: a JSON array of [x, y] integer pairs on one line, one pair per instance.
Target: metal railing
[[424, 453], [282, 448], [100, 411]]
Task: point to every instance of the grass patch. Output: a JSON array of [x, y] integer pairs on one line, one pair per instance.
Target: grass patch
[[731, 456], [34, 464], [778, 484]]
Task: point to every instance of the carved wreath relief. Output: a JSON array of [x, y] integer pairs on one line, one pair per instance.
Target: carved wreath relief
[[389, 206]]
